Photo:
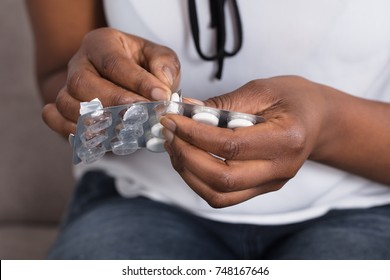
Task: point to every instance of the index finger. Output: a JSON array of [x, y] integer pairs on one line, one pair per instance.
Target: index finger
[[130, 61], [223, 175], [84, 83]]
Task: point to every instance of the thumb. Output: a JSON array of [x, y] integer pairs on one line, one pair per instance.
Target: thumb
[[163, 63], [238, 100], [252, 98]]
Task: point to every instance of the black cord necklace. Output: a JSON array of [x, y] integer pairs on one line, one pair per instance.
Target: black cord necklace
[[217, 12]]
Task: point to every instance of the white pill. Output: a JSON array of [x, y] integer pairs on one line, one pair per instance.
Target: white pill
[[206, 118], [174, 108], [155, 145], [156, 130], [235, 123], [175, 97]]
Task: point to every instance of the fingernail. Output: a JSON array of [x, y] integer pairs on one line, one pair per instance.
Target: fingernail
[[159, 94], [170, 127], [168, 74], [168, 124]]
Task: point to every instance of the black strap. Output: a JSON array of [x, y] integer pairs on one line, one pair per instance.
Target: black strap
[[217, 11]]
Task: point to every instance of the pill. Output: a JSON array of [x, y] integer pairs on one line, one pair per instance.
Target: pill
[[156, 130], [127, 128], [175, 97], [155, 145], [235, 123], [206, 118], [174, 108]]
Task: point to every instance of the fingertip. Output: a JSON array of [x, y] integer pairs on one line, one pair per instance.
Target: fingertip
[[160, 94], [168, 123], [46, 112], [56, 122]]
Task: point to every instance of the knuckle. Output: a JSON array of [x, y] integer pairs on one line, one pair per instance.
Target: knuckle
[[253, 86], [171, 59], [289, 174], [63, 105], [256, 87], [221, 102], [61, 98], [109, 64], [291, 148], [231, 148], [278, 185], [296, 139], [190, 133], [76, 81], [217, 200], [140, 86], [113, 100], [263, 87], [174, 60], [227, 182], [98, 33], [273, 187], [285, 168]]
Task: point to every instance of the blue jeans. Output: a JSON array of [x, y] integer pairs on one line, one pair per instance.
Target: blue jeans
[[101, 224]]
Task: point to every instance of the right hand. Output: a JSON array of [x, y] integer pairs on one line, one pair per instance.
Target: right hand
[[118, 69], [261, 158]]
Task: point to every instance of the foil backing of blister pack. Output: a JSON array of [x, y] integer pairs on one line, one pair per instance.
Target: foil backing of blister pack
[[125, 129]]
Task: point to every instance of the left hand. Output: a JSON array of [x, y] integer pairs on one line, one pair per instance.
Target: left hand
[[260, 158]]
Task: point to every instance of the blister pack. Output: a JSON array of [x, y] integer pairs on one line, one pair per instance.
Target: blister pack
[[124, 129]]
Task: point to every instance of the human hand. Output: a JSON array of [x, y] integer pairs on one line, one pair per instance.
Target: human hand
[[260, 158], [118, 69]]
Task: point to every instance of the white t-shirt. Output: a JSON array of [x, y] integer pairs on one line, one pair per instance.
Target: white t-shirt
[[341, 43]]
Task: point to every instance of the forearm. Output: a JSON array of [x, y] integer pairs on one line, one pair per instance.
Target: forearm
[[59, 27], [355, 136]]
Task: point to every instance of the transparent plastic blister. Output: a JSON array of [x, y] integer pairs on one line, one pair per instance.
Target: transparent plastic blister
[[125, 129]]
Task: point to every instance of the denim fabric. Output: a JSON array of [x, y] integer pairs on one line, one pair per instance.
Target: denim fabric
[[101, 224]]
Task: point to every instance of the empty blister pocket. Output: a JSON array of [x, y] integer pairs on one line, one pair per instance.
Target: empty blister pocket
[[125, 129]]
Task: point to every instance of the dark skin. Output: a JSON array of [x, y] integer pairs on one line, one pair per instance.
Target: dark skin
[[304, 120]]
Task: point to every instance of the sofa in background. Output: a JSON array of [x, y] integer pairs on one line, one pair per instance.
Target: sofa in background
[[35, 163]]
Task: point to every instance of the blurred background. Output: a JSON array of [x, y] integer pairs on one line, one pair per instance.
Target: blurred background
[[35, 163]]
